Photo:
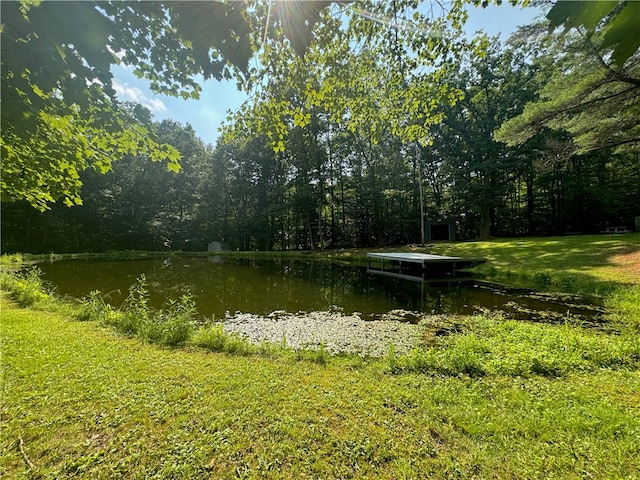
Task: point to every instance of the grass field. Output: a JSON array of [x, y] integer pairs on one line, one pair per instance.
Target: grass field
[[495, 399], [82, 402], [575, 264]]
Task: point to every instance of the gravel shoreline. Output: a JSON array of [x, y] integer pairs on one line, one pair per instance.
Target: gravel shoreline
[[332, 330]]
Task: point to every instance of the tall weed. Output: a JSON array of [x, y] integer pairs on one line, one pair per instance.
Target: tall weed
[[93, 308], [171, 326], [25, 287]]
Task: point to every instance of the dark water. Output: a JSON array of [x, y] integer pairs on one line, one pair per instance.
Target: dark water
[[263, 286]]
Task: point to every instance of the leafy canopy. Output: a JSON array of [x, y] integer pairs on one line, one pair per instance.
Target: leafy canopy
[[373, 67], [60, 114], [617, 22], [586, 92]]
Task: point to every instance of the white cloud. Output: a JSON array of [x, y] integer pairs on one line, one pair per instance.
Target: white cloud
[[126, 92]]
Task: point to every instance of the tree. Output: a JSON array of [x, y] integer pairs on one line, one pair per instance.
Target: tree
[[480, 171], [384, 71], [586, 93], [616, 23], [60, 114]]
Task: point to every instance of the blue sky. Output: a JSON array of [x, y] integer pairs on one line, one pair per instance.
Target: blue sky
[[206, 114]]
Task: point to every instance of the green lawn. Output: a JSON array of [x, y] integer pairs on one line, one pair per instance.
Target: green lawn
[[81, 401], [575, 264], [496, 398], [580, 259]]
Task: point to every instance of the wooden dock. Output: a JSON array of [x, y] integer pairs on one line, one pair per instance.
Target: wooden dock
[[417, 265]]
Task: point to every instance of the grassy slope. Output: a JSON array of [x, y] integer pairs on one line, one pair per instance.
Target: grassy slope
[[596, 258], [579, 264], [89, 404]]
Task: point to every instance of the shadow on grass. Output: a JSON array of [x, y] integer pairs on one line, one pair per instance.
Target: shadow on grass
[[593, 264]]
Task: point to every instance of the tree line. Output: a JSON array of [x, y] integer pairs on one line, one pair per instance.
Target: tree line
[[332, 187], [360, 127]]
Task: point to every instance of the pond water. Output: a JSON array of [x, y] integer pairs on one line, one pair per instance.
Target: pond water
[[228, 285]]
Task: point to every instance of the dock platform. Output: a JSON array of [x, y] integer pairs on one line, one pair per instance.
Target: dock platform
[[409, 264]]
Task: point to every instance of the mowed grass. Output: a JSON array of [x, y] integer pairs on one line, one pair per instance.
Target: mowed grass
[[81, 401], [587, 264], [570, 262]]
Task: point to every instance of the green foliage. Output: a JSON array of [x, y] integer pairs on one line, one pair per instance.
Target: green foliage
[[493, 346], [319, 355], [60, 114], [25, 286], [214, 338], [462, 357], [625, 302], [349, 168], [586, 93], [172, 325], [94, 308], [366, 77], [9, 261], [617, 21]]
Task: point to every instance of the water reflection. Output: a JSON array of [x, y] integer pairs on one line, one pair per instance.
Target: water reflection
[[263, 286]]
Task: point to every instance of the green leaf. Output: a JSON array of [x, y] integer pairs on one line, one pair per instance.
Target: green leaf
[[620, 19], [214, 25], [623, 33], [573, 14]]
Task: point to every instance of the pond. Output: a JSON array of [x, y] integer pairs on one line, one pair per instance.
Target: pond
[[223, 286]]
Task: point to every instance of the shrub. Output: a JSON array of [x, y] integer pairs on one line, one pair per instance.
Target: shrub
[[14, 260]]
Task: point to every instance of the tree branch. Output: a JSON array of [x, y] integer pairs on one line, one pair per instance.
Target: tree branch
[[611, 71]]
